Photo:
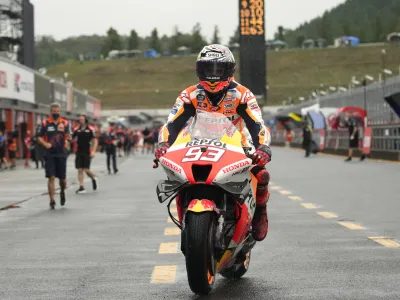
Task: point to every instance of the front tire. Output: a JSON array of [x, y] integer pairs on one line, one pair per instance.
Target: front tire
[[200, 262]]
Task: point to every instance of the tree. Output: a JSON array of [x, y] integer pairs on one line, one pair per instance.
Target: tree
[[346, 28], [300, 40], [133, 40], [174, 42], [325, 29], [362, 35], [280, 34], [198, 41], [112, 42], [235, 38], [47, 53], [164, 41], [154, 42], [216, 39], [378, 29], [370, 20]]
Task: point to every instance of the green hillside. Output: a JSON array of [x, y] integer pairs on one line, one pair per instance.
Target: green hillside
[[156, 82]]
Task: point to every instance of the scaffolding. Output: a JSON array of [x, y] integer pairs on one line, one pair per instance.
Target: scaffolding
[[11, 28]]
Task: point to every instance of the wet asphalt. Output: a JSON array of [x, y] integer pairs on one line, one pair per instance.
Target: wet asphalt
[[105, 244]]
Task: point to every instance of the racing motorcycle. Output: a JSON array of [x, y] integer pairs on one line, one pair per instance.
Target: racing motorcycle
[[209, 175]]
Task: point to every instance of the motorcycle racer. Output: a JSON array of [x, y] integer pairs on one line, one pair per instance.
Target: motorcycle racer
[[217, 91]]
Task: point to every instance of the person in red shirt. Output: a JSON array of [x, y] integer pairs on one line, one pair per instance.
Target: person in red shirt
[[12, 150], [55, 136]]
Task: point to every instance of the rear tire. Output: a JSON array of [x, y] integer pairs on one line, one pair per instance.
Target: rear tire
[[233, 273], [200, 262]]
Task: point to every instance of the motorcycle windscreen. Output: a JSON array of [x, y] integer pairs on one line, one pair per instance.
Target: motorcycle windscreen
[[210, 126]]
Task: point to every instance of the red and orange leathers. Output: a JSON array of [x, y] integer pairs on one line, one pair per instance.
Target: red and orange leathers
[[239, 105]]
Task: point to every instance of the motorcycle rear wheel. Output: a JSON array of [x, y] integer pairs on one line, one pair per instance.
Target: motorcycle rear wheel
[[200, 261], [236, 273]]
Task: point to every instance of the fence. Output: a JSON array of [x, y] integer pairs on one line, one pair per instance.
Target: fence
[[378, 111], [385, 140]]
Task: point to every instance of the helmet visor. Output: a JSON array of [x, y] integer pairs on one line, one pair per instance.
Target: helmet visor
[[214, 70]]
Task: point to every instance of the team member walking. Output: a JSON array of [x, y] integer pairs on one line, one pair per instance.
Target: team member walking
[[55, 136], [85, 136], [12, 150], [111, 142], [3, 148]]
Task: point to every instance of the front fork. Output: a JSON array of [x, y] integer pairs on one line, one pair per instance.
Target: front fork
[[219, 237]]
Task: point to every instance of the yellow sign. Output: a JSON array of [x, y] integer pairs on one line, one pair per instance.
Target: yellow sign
[[252, 17]]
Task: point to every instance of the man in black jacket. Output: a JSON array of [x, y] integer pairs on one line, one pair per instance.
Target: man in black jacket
[[353, 136]]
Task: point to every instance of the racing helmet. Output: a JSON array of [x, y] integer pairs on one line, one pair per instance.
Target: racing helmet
[[215, 66]]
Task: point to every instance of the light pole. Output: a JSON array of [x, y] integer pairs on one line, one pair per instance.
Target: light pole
[[383, 57], [364, 83]]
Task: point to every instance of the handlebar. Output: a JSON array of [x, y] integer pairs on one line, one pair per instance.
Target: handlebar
[[155, 163]]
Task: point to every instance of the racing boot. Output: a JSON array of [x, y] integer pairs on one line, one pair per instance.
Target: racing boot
[[260, 219]]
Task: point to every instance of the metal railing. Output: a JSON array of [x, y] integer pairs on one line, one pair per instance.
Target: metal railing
[[378, 111], [384, 138]]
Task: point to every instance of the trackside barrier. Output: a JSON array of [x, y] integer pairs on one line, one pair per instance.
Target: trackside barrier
[[382, 142], [371, 98]]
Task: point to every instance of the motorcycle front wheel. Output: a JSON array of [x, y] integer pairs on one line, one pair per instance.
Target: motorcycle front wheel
[[199, 246]]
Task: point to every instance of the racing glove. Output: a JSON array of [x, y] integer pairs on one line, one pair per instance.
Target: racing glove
[[161, 150], [262, 156]]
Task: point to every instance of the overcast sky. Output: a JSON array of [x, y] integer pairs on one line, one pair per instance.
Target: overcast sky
[[64, 18]]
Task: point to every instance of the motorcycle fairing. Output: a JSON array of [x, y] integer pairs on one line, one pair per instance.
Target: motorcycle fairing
[[231, 172]]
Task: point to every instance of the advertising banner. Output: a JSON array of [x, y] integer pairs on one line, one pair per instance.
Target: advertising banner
[[16, 83], [60, 95], [38, 119], [70, 97], [42, 90], [89, 107], [3, 115], [322, 140], [367, 140], [97, 108], [81, 101]]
